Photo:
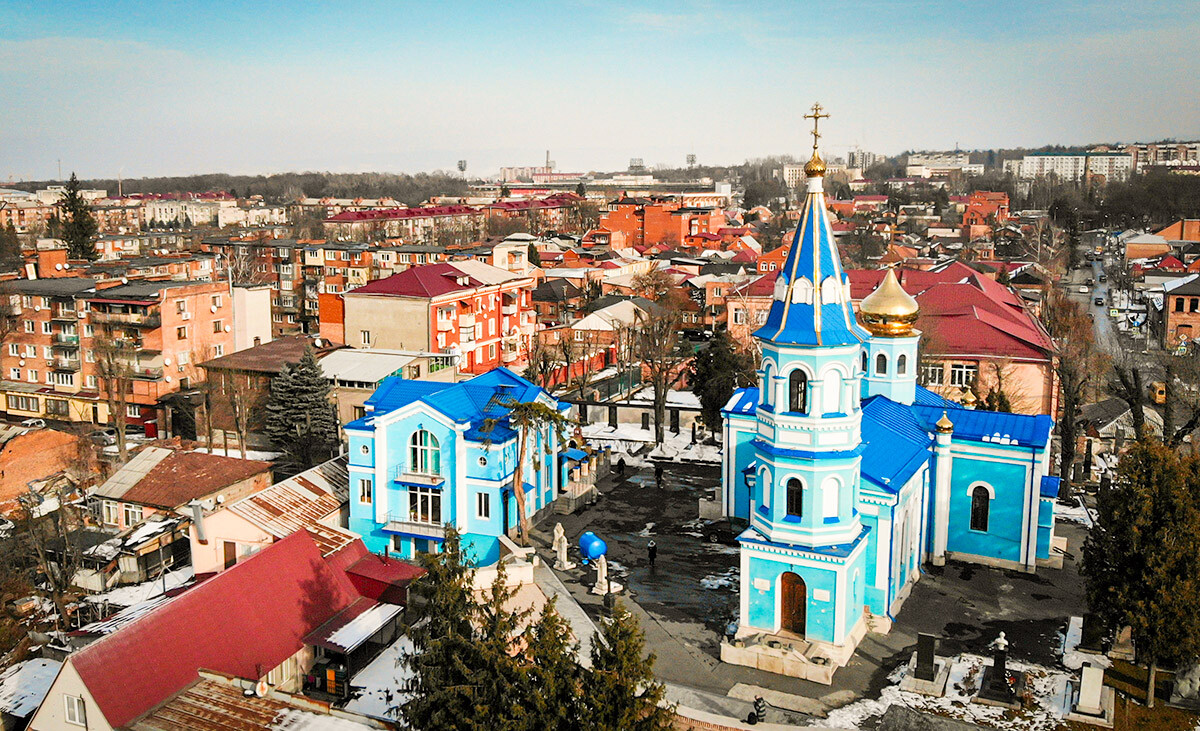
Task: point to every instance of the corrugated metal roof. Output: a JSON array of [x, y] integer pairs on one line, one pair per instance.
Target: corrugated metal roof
[[367, 366], [896, 443], [994, 427], [133, 471], [302, 502]]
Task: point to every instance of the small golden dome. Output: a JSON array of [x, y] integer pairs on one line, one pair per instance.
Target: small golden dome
[[970, 400], [815, 168], [889, 311], [944, 425]]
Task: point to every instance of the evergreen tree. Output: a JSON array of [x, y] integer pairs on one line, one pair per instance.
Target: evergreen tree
[[580, 190], [301, 421], [553, 672], [1142, 558], [619, 692], [535, 258], [504, 191], [716, 372], [79, 228], [10, 244]]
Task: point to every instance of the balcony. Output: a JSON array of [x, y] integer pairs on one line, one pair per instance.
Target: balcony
[[137, 319], [467, 320], [64, 315], [466, 335], [510, 356], [445, 325], [142, 373], [400, 523], [64, 364], [508, 310], [69, 339]]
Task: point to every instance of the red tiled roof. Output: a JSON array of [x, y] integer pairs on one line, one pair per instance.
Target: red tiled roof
[[430, 280], [243, 622], [763, 286], [391, 214], [704, 235], [185, 476]]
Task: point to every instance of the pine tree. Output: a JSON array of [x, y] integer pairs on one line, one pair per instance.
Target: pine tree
[[79, 228], [301, 421], [535, 257], [580, 190], [553, 672], [504, 191], [1142, 558], [619, 691], [716, 372], [10, 243]]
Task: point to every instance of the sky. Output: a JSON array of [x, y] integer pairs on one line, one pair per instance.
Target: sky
[[162, 88]]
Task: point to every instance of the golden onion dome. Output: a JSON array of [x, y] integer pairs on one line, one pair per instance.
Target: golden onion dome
[[889, 311], [944, 425], [815, 168]]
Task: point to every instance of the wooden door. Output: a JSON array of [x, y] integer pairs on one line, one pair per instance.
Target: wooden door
[[230, 554], [793, 603]]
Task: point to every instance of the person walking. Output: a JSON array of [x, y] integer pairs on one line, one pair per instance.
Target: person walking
[[652, 551], [621, 468], [658, 475]]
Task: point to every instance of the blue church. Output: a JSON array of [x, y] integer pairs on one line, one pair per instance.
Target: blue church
[[852, 476], [429, 454]]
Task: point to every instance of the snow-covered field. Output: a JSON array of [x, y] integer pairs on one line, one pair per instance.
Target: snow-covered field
[[1047, 699]]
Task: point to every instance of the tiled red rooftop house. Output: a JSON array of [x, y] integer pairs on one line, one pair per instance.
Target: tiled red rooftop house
[[285, 615], [482, 313], [414, 225], [975, 328]]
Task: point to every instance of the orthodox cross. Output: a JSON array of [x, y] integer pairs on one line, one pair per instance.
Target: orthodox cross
[[816, 117]]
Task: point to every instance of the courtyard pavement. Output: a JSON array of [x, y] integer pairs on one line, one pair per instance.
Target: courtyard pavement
[[689, 598]]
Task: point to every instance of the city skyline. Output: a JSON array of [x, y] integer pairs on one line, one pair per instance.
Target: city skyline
[[176, 89]]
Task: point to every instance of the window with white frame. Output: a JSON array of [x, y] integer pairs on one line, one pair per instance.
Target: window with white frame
[[14, 349], [14, 374], [46, 352], [76, 711], [963, 374], [30, 351], [109, 513], [365, 337], [483, 506], [218, 350], [29, 326], [47, 327], [133, 411], [32, 376], [424, 454], [364, 490], [424, 505], [933, 374], [133, 515]]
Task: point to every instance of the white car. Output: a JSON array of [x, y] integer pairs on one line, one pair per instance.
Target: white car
[[34, 423], [1083, 289]]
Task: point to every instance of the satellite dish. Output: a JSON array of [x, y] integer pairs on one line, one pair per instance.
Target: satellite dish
[[67, 265], [212, 309], [124, 280], [166, 361], [227, 328], [167, 379], [261, 688], [317, 342], [58, 267]]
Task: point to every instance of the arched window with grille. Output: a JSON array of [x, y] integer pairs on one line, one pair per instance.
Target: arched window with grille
[[901, 365], [424, 454], [795, 498], [881, 365], [981, 505], [864, 361], [798, 392]]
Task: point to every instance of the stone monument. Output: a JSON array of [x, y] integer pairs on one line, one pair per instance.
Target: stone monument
[[1001, 687], [560, 549], [604, 586], [928, 674], [1092, 702], [1186, 691]]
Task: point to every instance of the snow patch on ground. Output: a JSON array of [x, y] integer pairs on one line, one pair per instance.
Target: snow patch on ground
[[1047, 690], [729, 579], [647, 531], [1072, 657], [379, 686], [1078, 513]]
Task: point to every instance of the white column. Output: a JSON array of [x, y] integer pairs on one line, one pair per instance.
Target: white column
[[941, 498], [382, 488]]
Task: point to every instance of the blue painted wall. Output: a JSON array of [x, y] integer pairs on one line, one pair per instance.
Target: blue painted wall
[[1003, 537]]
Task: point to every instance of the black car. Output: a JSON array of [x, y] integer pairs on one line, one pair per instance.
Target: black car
[[725, 530]]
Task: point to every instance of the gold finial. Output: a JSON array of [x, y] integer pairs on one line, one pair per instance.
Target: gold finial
[[944, 425], [969, 399], [816, 166]]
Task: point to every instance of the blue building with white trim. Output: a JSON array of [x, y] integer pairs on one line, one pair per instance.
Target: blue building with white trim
[[851, 475], [431, 454]]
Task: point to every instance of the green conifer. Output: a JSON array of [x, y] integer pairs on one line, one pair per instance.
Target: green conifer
[[78, 228]]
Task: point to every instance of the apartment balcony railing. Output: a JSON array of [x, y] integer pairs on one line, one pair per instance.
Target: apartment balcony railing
[[143, 373], [66, 339], [401, 523], [64, 364], [467, 320], [509, 356], [445, 325], [64, 315], [137, 319], [508, 310]]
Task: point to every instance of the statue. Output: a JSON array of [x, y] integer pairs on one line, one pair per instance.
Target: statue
[[560, 549], [603, 585]]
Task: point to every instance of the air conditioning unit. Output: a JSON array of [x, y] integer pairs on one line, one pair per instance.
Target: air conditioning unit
[[182, 368], [185, 315]]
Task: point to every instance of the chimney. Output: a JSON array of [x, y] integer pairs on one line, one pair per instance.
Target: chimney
[[198, 520]]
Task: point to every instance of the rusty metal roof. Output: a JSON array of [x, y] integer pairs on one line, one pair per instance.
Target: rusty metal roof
[[302, 501]]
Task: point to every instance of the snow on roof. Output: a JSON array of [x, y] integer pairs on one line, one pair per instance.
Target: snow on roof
[[359, 629], [24, 685], [127, 596], [381, 681], [367, 366]]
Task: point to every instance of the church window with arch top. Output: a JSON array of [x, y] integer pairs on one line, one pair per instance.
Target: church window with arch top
[[795, 498], [881, 365], [798, 392]]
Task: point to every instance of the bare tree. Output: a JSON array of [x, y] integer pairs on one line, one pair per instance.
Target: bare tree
[[541, 362], [58, 567], [663, 356], [577, 348], [654, 285], [245, 402], [115, 353]]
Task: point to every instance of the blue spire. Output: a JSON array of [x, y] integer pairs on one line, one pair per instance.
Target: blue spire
[[812, 294]]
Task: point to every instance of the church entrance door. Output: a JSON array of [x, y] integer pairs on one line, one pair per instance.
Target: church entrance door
[[793, 603]]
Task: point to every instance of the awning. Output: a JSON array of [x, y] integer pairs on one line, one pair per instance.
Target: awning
[[576, 454], [142, 303], [354, 625]]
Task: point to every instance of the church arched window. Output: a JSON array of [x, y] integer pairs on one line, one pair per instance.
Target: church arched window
[[767, 386], [798, 392], [901, 365], [981, 503], [864, 361], [795, 498], [881, 365]]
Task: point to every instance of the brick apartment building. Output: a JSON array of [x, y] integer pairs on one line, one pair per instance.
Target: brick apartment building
[[66, 327], [417, 225], [650, 221], [483, 313]]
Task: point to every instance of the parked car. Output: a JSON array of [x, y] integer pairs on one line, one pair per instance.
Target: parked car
[[1099, 301], [104, 436], [34, 423], [725, 530], [1103, 277], [1083, 289]]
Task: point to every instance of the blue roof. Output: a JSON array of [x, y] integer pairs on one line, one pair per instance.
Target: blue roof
[[575, 454], [925, 397], [897, 443], [743, 401], [478, 402], [994, 427], [813, 268]]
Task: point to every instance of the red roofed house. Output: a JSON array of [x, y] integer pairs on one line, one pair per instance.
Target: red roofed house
[[1187, 229], [660, 221], [773, 260], [414, 225], [747, 305], [483, 313], [986, 208], [273, 617], [550, 212], [976, 333]]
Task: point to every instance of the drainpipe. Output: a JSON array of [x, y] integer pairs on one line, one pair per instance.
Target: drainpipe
[[198, 521], [1031, 511]]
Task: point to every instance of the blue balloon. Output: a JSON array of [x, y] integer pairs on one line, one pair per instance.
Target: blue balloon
[[585, 539], [595, 549]]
